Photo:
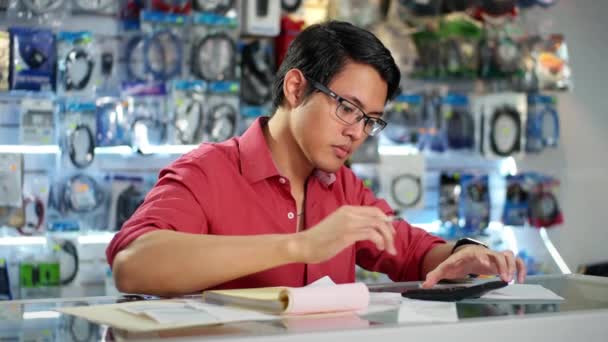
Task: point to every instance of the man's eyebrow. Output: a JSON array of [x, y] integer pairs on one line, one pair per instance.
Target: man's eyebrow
[[359, 104]]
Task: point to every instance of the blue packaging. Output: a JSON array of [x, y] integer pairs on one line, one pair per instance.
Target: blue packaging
[[34, 58]]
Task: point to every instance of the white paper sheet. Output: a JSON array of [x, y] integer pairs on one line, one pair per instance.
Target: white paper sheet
[[412, 311], [192, 310], [522, 292]]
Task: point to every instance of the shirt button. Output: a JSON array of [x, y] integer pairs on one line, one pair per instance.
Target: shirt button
[[290, 215], [282, 180]]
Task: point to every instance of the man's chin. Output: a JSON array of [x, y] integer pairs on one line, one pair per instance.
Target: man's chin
[[331, 167]]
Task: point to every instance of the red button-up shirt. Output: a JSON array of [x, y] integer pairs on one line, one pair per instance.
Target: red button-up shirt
[[234, 188]]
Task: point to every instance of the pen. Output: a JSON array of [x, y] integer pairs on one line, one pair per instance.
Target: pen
[[393, 218]]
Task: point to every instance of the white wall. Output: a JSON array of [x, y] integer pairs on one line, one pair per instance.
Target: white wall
[[581, 161]]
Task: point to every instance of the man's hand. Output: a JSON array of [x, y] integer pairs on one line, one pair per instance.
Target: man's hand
[[477, 260], [341, 229]]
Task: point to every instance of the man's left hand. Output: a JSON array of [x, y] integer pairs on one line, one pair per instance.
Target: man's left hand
[[477, 260]]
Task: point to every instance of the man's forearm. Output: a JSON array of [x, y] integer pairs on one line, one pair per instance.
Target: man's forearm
[[170, 263], [436, 256]]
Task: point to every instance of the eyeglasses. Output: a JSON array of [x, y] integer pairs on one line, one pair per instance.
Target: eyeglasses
[[349, 113]]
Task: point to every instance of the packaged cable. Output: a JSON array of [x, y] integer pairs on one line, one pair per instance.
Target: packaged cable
[[223, 116], [78, 201], [515, 212], [108, 59], [502, 118], [188, 104], [147, 115], [78, 128], [48, 12], [38, 115], [78, 67], [404, 119], [449, 200], [475, 203], [112, 122], [34, 57], [162, 45], [98, 7], [542, 125], [458, 122], [213, 49]]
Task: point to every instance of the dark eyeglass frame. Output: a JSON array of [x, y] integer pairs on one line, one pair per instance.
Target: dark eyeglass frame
[[366, 118]]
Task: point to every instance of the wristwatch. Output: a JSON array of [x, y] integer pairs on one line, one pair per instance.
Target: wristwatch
[[467, 241]]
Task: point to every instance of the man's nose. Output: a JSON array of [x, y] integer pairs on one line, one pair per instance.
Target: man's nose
[[355, 131]]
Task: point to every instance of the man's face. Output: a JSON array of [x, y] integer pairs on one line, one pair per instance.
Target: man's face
[[326, 141]]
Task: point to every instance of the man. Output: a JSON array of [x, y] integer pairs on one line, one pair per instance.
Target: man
[[277, 206]]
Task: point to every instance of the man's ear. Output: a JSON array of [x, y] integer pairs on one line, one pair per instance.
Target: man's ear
[[294, 86]]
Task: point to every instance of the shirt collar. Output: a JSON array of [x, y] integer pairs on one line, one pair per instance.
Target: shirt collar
[[256, 159]]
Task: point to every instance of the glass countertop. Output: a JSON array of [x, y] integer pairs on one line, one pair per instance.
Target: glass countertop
[[36, 320]]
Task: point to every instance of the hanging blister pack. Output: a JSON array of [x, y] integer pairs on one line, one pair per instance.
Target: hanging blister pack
[[37, 121], [460, 38], [515, 212], [542, 125], [35, 202], [34, 57], [404, 119], [127, 194], [11, 186], [543, 209], [258, 70], [98, 7], [431, 136], [474, 203], [5, 57], [112, 123], [77, 132], [162, 44], [48, 12], [501, 52], [10, 119], [11, 179], [402, 180], [213, 50], [261, 18], [147, 114], [189, 108], [223, 116], [552, 67], [222, 8], [501, 118], [458, 122], [449, 200], [108, 61], [77, 65], [78, 201]]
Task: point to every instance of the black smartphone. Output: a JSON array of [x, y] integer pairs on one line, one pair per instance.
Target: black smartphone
[[440, 292]]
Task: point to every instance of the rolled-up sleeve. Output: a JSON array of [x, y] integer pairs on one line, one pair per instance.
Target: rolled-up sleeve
[[412, 243], [174, 203]]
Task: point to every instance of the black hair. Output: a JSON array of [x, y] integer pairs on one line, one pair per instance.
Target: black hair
[[322, 50]]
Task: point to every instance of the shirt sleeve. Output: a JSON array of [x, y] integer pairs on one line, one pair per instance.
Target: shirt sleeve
[[171, 204], [412, 243]]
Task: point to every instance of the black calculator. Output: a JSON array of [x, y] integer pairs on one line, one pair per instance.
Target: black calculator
[[440, 292]]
